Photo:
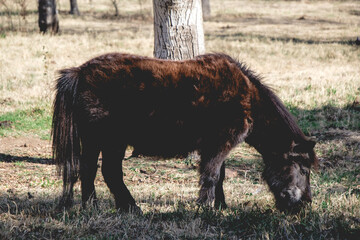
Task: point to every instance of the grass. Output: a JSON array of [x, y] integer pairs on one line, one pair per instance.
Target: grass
[[34, 121], [303, 49]]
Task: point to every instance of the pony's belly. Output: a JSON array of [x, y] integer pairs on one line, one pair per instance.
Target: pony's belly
[[167, 140]]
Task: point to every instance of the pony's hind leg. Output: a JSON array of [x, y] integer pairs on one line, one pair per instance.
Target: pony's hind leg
[[67, 198], [219, 191], [88, 169], [113, 176]]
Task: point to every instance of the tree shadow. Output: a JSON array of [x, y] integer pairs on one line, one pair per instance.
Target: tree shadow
[[141, 15], [235, 222], [17, 13], [254, 19], [14, 204], [256, 221], [240, 35], [322, 121], [250, 20], [11, 158]]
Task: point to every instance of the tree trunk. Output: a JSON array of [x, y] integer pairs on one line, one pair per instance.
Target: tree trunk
[[74, 10], [115, 4], [206, 8], [178, 29], [48, 18]]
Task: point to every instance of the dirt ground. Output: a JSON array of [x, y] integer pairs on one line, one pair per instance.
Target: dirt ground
[[25, 146]]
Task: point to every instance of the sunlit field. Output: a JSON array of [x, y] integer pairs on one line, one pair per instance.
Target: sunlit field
[[305, 50]]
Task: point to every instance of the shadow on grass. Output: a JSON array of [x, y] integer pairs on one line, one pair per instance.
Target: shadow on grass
[[327, 117], [10, 158], [15, 204], [18, 215], [274, 20], [258, 223], [17, 13], [240, 35]]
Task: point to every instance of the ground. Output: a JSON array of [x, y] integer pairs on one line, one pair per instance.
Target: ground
[[166, 191]]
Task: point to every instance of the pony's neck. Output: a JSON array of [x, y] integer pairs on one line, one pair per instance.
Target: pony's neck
[[274, 129], [269, 137]]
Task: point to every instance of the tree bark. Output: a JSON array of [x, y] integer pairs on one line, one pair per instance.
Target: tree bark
[[178, 29], [74, 10], [48, 17], [206, 10]]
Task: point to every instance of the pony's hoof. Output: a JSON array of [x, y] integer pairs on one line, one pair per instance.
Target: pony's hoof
[[204, 202], [220, 205], [93, 203], [134, 209], [65, 203]]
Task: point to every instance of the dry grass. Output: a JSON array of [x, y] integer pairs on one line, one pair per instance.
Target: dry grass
[[303, 49]]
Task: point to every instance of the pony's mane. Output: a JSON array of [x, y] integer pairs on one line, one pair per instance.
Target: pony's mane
[[269, 94]]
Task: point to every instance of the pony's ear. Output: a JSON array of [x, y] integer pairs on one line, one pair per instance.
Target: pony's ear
[[304, 146]]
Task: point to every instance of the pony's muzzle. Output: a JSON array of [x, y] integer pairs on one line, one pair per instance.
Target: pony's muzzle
[[292, 195], [292, 200]]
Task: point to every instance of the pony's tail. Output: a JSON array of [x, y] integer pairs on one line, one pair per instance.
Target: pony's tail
[[66, 141]]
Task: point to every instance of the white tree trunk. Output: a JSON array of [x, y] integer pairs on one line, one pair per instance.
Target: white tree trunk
[[178, 29]]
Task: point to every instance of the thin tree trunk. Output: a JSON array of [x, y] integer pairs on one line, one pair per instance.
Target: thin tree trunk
[[48, 17], [178, 29], [206, 8], [74, 10], [115, 4]]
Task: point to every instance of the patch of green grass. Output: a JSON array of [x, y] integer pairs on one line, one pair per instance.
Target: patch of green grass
[[346, 178], [328, 116], [33, 121]]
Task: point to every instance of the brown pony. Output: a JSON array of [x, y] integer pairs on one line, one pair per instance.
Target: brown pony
[[170, 108]]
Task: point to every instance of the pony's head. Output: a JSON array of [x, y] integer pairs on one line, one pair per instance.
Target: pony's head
[[288, 176]]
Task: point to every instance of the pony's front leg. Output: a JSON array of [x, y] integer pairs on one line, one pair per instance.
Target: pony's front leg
[[212, 173], [113, 176]]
